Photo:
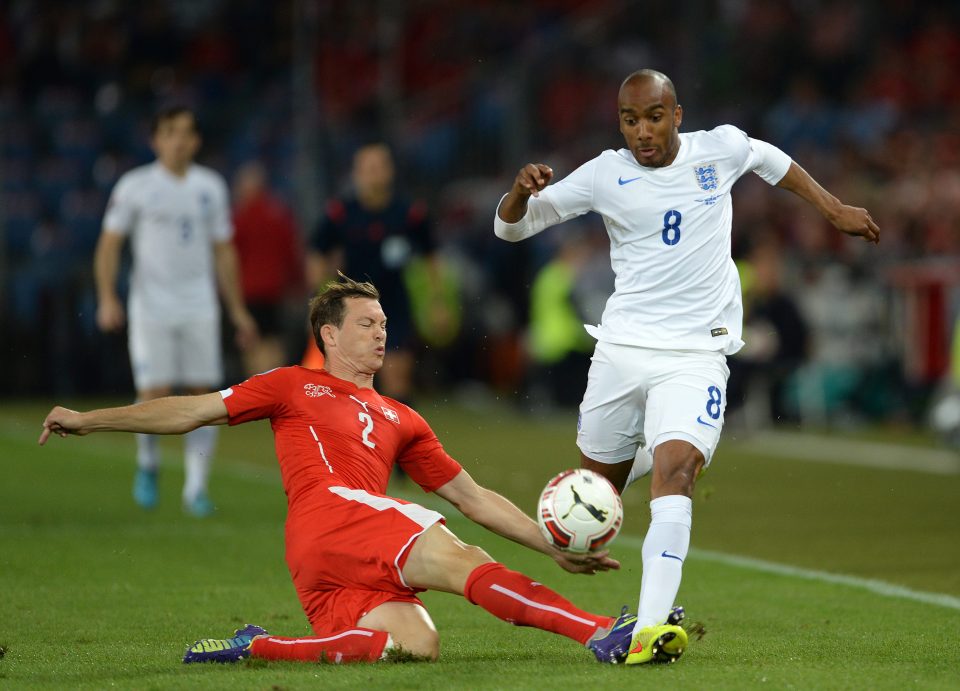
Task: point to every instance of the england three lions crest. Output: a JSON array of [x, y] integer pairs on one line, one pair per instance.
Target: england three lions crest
[[706, 174]]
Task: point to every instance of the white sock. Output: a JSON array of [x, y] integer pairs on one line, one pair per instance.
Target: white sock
[[642, 464], [664, 550], [148, 455], [197, 457]]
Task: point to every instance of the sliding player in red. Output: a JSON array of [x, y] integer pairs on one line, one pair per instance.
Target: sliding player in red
[[358, 558]]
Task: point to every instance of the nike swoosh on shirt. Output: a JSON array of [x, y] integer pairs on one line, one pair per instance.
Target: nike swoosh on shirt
[[705, 423], [624, 182]]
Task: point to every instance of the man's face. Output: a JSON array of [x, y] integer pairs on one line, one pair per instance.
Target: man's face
[[176, 141], [372, 169], [362, 339], [649, 118]]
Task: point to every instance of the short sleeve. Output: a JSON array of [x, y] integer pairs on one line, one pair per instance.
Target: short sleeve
[[772, 163], [221, 225], [764, 159], [121, 211], [259, 397], [424, 458]]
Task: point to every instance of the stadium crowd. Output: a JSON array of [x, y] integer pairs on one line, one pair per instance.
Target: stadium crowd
[[866, 94]]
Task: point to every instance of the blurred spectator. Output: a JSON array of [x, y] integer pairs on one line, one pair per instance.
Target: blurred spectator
[[848, 348], [271, 264], [776, 337], [945, 411], [558, 346], [462, 89], [374, 234]]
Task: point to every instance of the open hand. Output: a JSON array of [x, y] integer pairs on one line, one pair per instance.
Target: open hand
[[589, 563]]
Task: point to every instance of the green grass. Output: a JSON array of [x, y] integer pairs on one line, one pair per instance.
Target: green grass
[[95, 593]]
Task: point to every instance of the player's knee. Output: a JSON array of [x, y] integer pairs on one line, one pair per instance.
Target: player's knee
[[439, 560], [617, 473], [458, 564], [424, 644], [676, 467]]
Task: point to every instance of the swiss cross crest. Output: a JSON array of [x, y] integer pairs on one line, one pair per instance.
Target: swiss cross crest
[[390, 414], [316, 391], [706, 174]]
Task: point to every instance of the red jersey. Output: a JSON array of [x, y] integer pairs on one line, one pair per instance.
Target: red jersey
[[327, 431], [268, 247]]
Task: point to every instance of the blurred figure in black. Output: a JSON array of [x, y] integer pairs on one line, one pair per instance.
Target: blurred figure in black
[[374, 234], [776, 334]]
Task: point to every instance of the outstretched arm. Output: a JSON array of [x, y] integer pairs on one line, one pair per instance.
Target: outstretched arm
[[498, 514], [851, 220], [170, 415]]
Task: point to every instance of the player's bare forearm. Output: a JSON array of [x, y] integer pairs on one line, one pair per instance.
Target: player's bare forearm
[[227, 266], [513, 207], [106, 265], [498, 514], [530, 180], [169, 415], [228, 276], [851, 220]]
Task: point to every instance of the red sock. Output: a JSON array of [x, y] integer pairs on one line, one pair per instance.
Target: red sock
[[349, 645], [513, 597]]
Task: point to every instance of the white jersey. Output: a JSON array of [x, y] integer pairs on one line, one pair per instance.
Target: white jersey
[[173, 223], [676, 284]]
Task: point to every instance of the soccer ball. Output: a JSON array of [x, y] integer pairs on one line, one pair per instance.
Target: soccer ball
[[579, 511]]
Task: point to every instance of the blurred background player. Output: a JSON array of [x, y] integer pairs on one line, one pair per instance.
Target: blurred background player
[[776, 341], [656, 389], [178, 218], [376, 233], [357, 572], [271, 264], [559, 348]]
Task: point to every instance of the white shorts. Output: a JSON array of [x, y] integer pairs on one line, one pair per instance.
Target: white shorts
[[641, 397], [181, 354]]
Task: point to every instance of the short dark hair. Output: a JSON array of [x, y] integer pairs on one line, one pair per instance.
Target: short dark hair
[[647, 73], [328, 307], [169, 113]]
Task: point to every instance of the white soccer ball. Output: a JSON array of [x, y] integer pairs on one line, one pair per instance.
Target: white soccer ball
[[579, 511]]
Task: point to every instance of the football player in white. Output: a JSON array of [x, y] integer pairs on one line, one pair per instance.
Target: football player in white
[[177, 216], [656, 390]]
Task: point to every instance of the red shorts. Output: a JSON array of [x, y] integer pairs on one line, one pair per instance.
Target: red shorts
[[345, 551]]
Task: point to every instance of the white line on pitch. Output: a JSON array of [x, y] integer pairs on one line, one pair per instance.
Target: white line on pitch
[[874, 586], [805, 446]]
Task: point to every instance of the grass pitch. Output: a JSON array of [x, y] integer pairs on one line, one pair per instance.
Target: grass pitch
[[95, 593]]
